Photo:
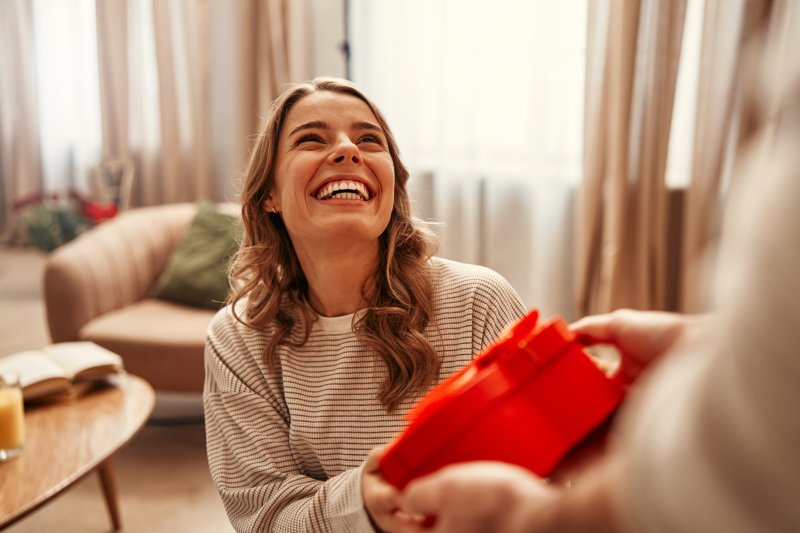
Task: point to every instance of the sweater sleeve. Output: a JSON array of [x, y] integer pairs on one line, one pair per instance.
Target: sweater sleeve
[[252, 464]]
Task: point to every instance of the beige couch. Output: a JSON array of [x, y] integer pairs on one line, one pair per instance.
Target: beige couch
[[96, 288]]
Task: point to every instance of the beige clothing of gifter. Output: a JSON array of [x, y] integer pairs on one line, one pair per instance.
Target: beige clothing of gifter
[[714, 443]]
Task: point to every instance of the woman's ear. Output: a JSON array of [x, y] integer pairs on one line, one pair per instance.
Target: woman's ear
[[270, 205]]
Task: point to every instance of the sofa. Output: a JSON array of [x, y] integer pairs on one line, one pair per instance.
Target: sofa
[[98, 288]]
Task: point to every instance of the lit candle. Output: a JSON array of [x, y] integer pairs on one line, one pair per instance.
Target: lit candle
[[12, 429]]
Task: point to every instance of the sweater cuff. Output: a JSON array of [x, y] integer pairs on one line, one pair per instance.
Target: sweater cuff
[[347, 511]]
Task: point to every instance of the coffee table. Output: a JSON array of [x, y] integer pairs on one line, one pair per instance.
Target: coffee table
[[65, 441]]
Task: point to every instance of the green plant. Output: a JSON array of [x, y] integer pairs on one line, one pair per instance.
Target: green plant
[[50, 226]]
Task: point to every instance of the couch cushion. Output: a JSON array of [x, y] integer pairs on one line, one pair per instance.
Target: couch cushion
[[197, 272], [160, 341]]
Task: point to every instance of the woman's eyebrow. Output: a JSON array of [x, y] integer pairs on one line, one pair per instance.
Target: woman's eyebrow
[[362, 125], [315, 124]]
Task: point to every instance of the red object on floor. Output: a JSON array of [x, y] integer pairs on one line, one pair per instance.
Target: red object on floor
[[98, 212], [527, 399]]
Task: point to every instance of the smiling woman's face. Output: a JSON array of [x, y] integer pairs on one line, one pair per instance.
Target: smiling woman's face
[[334, 176]]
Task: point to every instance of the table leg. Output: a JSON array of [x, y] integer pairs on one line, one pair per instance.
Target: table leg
[[107, 480]]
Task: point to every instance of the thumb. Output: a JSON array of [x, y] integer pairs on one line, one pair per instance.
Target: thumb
[[372, 461]]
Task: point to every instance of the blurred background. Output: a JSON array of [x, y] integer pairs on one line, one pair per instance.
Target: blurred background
[[579, 148]]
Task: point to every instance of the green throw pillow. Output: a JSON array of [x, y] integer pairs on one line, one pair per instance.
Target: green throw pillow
[[197, 273]]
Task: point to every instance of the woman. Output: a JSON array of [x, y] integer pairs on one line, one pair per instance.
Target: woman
[[339, 321]]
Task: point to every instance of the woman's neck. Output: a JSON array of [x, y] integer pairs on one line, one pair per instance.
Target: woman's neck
[[337, 278]]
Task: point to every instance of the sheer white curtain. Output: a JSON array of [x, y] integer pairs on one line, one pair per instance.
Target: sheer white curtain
[[486, 101], [173, 90], [109, 98], [65, 48]]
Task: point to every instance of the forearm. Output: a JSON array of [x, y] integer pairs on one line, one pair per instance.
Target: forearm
[[295, 504], [256, 471], [261, 485]]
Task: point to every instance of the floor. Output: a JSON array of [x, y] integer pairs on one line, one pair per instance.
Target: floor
[[162, 474]]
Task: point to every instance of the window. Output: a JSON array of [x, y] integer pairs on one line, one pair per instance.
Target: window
[[494, 88], [486, 102], [68, 90]]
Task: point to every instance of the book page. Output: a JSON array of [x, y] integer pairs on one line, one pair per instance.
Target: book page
[[34, 367], [84, 359]]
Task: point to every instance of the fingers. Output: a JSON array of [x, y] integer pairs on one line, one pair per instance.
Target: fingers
[[373, 458], [641, 336], [597, 329], [383, 498], [381, 501], [412, 523], [387, 510]]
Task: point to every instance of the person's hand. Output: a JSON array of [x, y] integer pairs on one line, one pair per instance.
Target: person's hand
[[382, 499], [476, 496], [640, 336], [583, 457]]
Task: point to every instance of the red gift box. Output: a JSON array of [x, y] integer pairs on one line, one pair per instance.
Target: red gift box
[[527, 399]]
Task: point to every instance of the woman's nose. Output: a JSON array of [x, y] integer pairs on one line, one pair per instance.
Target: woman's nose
[[345, 150]]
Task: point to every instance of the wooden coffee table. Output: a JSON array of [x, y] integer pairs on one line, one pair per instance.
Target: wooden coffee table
[[65, 441]]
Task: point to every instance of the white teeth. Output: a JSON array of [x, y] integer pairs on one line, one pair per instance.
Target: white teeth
[[343, 190]]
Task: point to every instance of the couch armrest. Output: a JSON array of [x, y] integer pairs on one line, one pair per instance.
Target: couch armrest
[[110, 266]]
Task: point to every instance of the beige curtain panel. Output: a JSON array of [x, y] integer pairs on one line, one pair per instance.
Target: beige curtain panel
[[640, 245], [631, 70], [177, 167], [20, 160], [188, 53], [180, 96]]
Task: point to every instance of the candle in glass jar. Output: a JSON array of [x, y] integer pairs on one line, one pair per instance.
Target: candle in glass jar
[[12, 429]]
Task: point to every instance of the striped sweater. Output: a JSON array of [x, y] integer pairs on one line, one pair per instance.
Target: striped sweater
[[286, 448]]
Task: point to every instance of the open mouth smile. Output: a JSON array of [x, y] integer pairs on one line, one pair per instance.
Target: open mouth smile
[[343, 190]]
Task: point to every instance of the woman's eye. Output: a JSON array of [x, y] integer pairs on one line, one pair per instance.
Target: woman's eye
[[309, 137], [371, 139]]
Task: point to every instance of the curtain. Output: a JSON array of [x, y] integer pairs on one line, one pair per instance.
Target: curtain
[[728, 26], [153, 59], [631, 71], [276, 51], [151, 87], [271, 38], [486, 106], [640, 244], [20, 160]]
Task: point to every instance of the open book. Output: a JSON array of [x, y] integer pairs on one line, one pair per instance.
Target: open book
[[57, 368]]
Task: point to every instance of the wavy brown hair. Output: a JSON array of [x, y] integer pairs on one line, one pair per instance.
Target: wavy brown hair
[[267, 272]]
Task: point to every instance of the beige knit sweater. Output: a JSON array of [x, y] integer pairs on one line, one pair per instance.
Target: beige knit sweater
[[285, 449]]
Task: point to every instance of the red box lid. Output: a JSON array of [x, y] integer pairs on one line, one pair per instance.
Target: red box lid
[[527, 399]]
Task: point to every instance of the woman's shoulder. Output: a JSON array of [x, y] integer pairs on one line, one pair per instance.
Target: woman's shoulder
[[475, 294], [229, 321], [452, 274], [224, 318], [459, 284]]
